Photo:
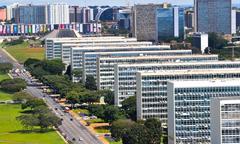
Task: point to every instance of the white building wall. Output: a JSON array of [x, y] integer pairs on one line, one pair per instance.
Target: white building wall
[[234, 22], [58, 14], [215, 110], [176, 22], [204, 42]]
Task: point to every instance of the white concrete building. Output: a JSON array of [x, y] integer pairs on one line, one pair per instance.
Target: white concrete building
[[152, 88], [57, 14], [66, 48], [125, 74], [234, 21], [225, 120], [189, 108], [53, 46], [105, 69], [200, 41]]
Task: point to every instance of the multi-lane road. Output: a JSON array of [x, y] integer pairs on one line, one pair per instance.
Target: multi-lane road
[[71, 129]]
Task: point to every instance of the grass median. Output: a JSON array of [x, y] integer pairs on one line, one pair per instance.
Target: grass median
[[11, 130]]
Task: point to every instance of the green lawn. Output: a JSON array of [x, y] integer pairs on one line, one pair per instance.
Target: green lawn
[[11, 131], [103, 129], [22, 52], [3, 77], [98, 120], [84, 111], [5, 96], [113, 142]]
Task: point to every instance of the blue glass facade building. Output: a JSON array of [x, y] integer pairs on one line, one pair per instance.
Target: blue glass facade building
[[213, 16], [170, 23], [30, 14]]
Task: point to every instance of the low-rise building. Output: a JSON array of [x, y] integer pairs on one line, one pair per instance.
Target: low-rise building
[[200, 41]]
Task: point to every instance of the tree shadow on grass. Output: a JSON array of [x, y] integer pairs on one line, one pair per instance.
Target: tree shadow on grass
[[33, 131], [26, 112]]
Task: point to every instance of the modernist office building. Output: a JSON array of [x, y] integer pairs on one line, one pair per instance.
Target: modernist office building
[[189, 108], [53, 46], [66, 48], [170, 23], [30, 14], [90, 58], [77, 52], [125, 74], [131, 91], [213, 16], [58, 14], [152, 88], [225, 120], [200, 41], [189, 18], [143, 23], [105, 69]]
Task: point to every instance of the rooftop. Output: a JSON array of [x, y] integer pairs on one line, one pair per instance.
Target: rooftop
[[141, 52], [191, 72], [75, 44], [179, 63], [206, 83], [160, 57], [127, 47]]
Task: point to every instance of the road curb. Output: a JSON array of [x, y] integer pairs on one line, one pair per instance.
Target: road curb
[[61, 136], [9, 55]]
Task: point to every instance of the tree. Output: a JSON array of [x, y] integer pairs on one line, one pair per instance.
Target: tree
[[129, 107], [5, 67], [108, 96], [28, 121], [137, 134], [21, 96], [120, 127], [55, 67], [90, 83], [40, 116], [41, 109], [33, 103], [77, 72], [97, 110], [216, 41], [112, 113], [13, 85], [31, 61], [155, 130], [48, 120], [88, 97], [73, 97]]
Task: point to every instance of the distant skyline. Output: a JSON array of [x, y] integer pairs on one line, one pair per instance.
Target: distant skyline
[[100, 2]]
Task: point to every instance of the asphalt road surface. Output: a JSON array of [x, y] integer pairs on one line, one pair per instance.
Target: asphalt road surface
[[71, 129]]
